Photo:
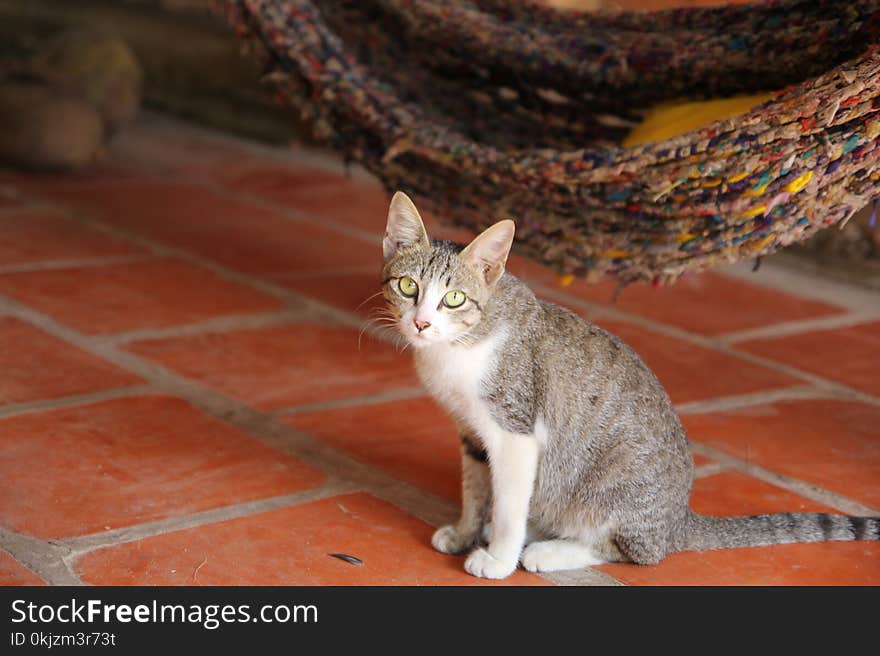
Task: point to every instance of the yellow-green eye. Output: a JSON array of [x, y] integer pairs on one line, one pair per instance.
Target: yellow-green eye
[[408, 286], [454, 298]]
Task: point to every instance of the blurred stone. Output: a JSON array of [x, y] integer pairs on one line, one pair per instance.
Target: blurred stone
[[43, 130], [99, 68]]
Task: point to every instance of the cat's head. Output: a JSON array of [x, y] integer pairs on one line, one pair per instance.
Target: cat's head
[[437, 292]]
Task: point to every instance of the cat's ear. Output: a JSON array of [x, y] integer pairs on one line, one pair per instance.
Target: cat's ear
[[487, 253], [404, 227]]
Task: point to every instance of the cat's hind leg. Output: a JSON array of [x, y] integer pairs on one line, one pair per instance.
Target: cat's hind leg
[[645, 547], [560, 554]]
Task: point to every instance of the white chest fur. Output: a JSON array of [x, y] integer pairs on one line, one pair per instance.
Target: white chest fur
[[453, 375]]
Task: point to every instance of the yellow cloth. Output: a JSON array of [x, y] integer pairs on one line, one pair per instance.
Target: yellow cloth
[[672, 119]]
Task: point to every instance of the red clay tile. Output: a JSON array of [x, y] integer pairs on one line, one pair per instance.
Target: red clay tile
[[411, 439], [288, 365], [9, 196], [706, 303], [846, 355], [832, 444], [731, 493], [38, 366], [361, 205], [286, 185], [358, 292], [726, 494], [530, 272], [222, 228], [291, 546], [136, 295], [107, 465], [37, 184], [693, 373], [38, 235], [14, 573], [159, 148]]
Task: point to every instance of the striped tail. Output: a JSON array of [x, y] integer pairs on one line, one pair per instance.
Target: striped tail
[[706, 532]]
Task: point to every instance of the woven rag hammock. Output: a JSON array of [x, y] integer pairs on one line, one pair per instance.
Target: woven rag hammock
[[497, 108]]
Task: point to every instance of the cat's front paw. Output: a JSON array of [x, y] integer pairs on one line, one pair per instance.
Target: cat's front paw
[[483, 564], [449, 540]]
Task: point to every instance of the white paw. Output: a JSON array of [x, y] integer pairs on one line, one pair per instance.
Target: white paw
[[540, 557], [483, 564], [551, 556], [449, 541]]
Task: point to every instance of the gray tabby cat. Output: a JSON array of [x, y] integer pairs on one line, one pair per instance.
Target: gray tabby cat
[[571, 448]]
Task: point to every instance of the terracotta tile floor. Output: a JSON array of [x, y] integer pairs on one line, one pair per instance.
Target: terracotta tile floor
[[187, 399]]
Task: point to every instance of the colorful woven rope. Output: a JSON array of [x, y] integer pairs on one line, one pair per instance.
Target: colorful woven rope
[[497, 108]]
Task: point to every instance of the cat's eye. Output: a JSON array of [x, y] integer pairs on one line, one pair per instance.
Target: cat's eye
[[454, 298], [408, 286]]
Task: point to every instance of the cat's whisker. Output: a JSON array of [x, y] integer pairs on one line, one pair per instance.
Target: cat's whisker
[[372, 323], [363, 329], [381, 317], [369, 298], [381, 312]]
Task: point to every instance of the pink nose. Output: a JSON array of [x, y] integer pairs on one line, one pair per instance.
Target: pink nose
[[421, 325]]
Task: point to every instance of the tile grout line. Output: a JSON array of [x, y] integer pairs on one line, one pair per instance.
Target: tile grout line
[[60, 402], [834, 389], [290, 214], [45, 560], [710, 469], [76, 263], [796, 485], [80, 545], [318, 273], [309, 156], [27, 205], [791, 328], [20, 564], [761, 397], [42, 554], [813, 286], [586, 577], [399, 394], [216, 324]]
